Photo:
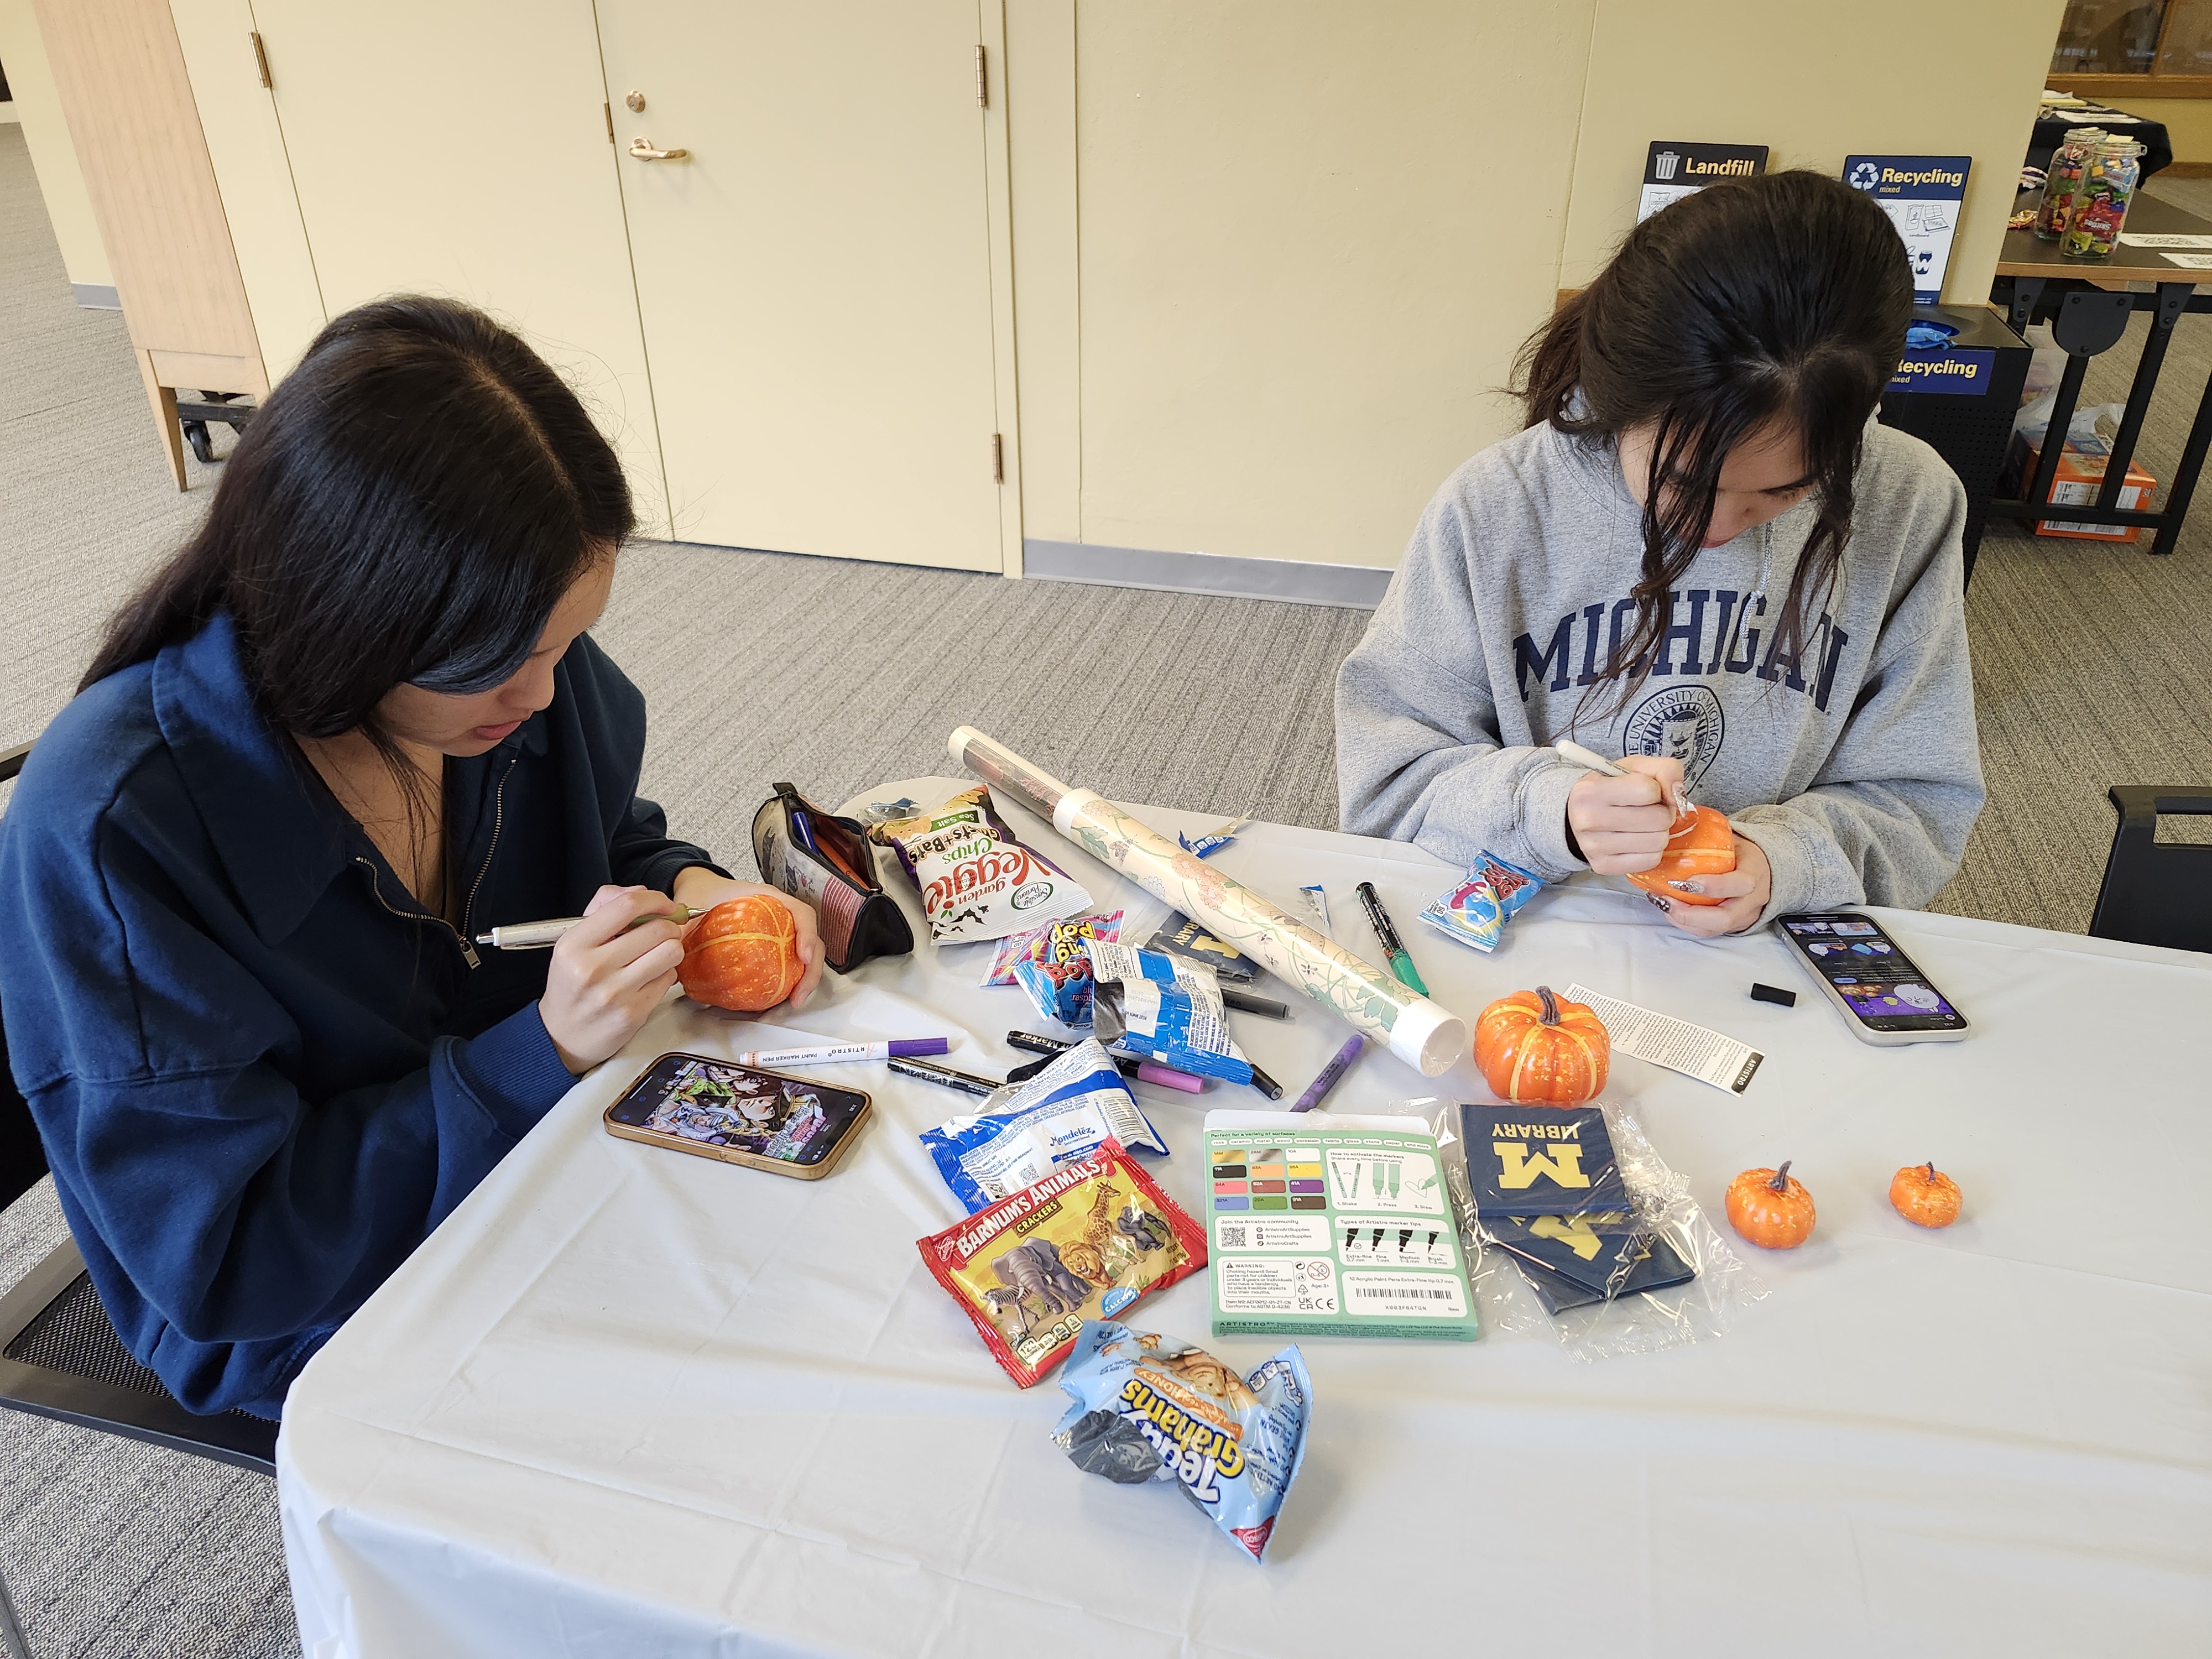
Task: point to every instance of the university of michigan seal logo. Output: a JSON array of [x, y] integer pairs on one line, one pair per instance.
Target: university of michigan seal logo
[[1681, 722]]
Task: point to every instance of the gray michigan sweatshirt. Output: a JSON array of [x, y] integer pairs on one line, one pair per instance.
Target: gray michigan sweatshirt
[[1854, 765]]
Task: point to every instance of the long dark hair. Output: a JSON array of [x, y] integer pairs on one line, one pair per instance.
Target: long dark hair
[[407, 507], [1777, 301]]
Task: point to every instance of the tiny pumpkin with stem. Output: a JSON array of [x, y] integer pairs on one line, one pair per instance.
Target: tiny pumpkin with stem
[[1924, 1196], [1770, 1209]]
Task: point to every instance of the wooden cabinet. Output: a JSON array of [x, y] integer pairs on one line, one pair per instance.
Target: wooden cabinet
[[132, 121]]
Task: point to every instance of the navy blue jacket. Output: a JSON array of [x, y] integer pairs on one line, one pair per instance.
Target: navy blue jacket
[[262, 1073]]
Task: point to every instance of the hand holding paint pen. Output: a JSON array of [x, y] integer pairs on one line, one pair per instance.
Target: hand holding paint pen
[[1618, 836], [1379, 919]]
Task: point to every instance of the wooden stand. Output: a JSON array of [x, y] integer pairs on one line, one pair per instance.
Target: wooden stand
[[136, 131]]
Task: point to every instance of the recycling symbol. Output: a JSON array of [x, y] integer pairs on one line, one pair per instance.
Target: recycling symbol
[[1864, 176]]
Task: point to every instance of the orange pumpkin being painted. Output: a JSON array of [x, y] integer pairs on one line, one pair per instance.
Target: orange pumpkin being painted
[[743, 955], [1701, 843], [1536, 1047]]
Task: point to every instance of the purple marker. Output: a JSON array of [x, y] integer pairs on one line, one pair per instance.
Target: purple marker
[[1337, 1066], [829, 1054]]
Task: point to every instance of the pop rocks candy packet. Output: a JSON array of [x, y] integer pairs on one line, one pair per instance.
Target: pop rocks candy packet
[[1475, 912], [1053, 939], [1027, 1130], [1081, 1244], [1148, 1407], [977, 881]]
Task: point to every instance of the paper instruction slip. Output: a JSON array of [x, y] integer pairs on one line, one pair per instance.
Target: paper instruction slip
[[2189, 261], [1675, 1044], [2162, 239]]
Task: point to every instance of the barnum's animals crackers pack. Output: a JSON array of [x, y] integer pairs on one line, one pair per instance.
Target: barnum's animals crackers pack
[[1084, 1243]]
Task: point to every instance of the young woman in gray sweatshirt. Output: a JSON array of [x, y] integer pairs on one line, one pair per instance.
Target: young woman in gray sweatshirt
[[1703, 555]]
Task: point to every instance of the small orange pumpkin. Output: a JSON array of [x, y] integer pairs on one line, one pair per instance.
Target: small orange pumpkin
[[1536, 1047], [1924, 1196], [1701, 843], [743, 955], [1771, 1209]]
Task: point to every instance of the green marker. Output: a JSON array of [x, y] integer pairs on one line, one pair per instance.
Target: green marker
[[1401, 964]]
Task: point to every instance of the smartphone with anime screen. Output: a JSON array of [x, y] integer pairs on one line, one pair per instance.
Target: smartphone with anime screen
[[739, 1114], [1882, 996]]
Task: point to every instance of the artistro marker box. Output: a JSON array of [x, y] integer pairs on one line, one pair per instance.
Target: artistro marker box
[[1322, 1225]]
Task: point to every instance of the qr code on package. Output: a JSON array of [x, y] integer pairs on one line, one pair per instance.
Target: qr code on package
[[1233, 1238]]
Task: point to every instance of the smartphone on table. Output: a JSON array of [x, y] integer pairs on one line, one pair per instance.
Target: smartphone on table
[[1882, 996], [740, 1115]]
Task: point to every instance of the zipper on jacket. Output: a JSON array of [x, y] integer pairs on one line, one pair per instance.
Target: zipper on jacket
[[461, 938], [498, 805]]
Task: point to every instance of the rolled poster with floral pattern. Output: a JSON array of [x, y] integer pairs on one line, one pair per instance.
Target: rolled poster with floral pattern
[[1424, 1033]]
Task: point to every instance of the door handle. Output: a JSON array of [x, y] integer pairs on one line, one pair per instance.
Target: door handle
[[642, 150]]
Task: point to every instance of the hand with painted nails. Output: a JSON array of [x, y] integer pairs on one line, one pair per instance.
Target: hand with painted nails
[[1621, 824], [1745, 889]]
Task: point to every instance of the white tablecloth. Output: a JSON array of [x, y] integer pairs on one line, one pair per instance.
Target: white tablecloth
[[630, 1402]]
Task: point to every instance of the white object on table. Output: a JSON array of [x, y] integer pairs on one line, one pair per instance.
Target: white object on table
[[625, 1401]]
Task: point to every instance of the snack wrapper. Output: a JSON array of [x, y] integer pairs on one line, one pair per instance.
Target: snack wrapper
[[1164, 1010], [977, 881], [1082, 1243], [1475, 912], [1042, 944], [1063, 990], [1149, 1408], [1188, 941], [1027, 1130], [1213, 840]]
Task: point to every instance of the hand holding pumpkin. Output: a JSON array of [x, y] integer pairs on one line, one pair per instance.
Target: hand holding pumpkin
[[1729, 902], [1621, 824], [703, 891], [743, 955]]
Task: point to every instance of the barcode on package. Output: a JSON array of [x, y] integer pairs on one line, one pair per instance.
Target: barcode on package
[[1400, 1295]]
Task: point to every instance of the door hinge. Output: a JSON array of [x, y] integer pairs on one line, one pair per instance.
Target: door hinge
[[260, 57], [998, 459], [982, 82], [607, 114]]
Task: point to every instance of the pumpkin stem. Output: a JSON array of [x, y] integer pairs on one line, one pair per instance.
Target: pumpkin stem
[[1551, 1005], [1781, 1182], [1931, 1174]]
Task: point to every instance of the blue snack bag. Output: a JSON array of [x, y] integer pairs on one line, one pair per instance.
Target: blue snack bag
[[1149, 1408], [1475, 912], [1027, 1130]]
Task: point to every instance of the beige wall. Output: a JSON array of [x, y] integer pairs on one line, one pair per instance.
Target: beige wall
[[69, 206], [1306, 250], [2188, 123], [1816, 83]]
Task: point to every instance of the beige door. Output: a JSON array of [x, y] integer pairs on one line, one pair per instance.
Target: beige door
[[814, 274], [464, 150]]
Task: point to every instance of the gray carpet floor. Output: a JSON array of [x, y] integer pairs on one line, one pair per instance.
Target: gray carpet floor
[[2092, 667]]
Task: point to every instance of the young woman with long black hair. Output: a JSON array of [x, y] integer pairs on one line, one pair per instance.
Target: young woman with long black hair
[[356, 720], [1703, 554]]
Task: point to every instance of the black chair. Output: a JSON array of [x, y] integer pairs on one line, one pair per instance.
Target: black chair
[[2155, 894], [59, 1355]]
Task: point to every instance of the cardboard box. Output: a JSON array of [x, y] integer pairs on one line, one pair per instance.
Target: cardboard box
[[2080, 475]]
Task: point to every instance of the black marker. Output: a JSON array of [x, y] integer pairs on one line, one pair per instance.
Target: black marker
[[967, 1083], [1401, 964]]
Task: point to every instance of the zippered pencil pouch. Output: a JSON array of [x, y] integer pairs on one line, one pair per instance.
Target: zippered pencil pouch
[[824, 860]]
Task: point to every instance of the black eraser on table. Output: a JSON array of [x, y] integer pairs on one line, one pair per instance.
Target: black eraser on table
[[1772, 994]]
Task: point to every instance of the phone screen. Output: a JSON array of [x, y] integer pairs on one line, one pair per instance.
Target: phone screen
[[1872, 976], [718, 1104]]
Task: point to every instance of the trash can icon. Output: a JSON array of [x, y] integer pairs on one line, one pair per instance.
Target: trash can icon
[[1664, 163]]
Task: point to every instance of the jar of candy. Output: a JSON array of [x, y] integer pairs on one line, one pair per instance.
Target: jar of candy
[[2068, 163], [2100, 206]]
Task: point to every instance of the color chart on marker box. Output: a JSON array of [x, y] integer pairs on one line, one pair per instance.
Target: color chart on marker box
[[1264, 1177], [1331, 1226]]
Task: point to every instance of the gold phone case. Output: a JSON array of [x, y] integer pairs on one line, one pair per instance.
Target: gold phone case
[[733, 1155]]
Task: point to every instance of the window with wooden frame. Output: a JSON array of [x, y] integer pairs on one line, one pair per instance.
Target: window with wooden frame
[[2134, 48]]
